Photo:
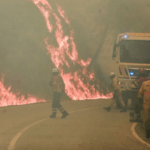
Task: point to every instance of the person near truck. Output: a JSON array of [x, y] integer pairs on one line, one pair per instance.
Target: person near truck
[[117, 94], [58, 88], [144, 97], [141, 78]]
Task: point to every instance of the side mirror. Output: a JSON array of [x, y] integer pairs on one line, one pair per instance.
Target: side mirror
[[114, 51]]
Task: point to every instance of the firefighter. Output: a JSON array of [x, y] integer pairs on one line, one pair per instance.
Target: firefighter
[[116, 93], [144, 96], [58, 88], [142, 77]]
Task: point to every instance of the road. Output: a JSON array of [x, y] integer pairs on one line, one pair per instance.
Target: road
[[88, 127]]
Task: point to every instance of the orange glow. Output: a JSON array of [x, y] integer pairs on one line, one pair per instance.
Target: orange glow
[[9, 98], [77, 83]]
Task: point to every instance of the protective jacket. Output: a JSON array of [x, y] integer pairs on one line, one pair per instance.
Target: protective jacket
[[139, 104], [115, 84], [57, 84], [117, 94], [144, 92]]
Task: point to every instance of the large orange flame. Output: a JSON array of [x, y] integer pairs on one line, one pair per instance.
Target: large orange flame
[[77, 83]]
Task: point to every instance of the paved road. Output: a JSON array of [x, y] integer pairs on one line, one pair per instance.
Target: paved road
[[88, 127]]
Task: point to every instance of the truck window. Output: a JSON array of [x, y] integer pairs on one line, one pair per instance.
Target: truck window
[[135, 51]]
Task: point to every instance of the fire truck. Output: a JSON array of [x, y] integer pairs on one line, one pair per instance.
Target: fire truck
[[131, 51]]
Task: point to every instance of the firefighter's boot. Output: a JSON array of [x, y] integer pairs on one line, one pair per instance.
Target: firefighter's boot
[[147, 134], [124, 109], [147, 128], [64, 112], [107, 108], [53, 115]]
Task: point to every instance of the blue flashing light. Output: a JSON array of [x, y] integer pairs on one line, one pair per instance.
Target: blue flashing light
[[131, 73], [125, 36]]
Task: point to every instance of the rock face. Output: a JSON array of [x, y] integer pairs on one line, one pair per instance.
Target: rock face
[[96, 23]]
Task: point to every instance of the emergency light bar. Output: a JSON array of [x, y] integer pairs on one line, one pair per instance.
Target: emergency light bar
[[125, 36]]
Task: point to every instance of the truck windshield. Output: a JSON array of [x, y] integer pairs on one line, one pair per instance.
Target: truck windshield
[[135, 51]]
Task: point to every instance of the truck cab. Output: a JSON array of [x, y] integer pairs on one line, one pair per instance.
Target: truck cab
[[131, 51]]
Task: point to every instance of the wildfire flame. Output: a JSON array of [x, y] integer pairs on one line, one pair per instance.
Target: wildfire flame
[[9, 98], [80, 84]]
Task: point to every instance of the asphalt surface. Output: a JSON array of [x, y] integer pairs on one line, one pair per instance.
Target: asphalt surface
[[139, 129], [88, 127]]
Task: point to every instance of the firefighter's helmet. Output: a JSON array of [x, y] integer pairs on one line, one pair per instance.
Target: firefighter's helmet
[[55, 71], [112, 74], [141, 70]]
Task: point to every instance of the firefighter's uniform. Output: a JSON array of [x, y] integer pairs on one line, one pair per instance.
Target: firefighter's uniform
[[144, 93], [58, 88], [138, 83], [117, 92], [116, 87]]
